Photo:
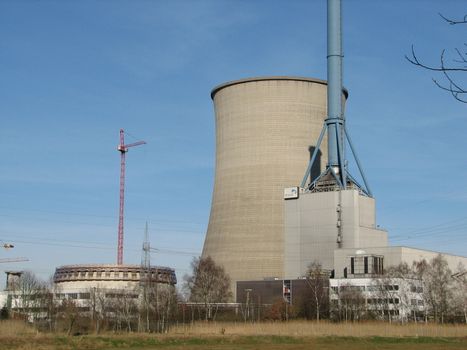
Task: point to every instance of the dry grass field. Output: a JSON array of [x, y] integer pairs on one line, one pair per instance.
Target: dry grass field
[[299, 335], [323, 329]]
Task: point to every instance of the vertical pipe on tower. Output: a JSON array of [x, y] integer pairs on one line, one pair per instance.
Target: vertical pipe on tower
[[334, 75]]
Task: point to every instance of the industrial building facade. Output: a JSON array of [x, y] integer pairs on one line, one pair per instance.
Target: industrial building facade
[[263, 225], [265, 129]]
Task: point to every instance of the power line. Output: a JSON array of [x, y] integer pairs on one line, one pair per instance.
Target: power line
[[99, 216], [165, 251], [154, 230]]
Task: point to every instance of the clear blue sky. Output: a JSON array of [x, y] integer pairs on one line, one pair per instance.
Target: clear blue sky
[[72, 73]]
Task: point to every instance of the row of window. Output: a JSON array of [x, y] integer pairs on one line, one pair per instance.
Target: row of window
[[106, 274], [416, 289], [415, 302], [62, 296], [32, 296], [366, 265], [372, 288], [378, 288], [98, 274], [383, 301]]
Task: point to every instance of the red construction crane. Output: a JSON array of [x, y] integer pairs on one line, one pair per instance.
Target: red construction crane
[[122, 148]]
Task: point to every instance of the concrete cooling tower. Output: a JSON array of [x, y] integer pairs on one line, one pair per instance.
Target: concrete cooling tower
[[265, 132]]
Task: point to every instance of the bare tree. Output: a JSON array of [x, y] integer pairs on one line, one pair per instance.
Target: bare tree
[[96, 304], [459, 291], [318, 281], [165, 307], [350, 305], [69, 313], [209, 284], [382, 295], [448, 67], [29, 296], [50, 304], [280, 310], [409, 288], [124, 306], [439, 287]]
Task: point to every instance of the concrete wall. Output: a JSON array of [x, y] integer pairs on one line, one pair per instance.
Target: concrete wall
[[264, 129], [393, 256], [311, 228]]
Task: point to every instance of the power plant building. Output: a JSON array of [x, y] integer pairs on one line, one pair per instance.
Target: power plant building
[[265, 224], [318, 224], [265, 129]]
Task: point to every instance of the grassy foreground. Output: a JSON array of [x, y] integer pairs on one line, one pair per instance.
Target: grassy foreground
[[15, 335]]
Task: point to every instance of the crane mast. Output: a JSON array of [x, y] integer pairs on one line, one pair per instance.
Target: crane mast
[[122, 148]]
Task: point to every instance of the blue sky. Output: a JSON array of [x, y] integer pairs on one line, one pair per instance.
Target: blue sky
[[73, 73]]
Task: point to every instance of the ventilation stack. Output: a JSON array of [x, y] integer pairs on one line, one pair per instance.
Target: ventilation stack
[[333, 210]]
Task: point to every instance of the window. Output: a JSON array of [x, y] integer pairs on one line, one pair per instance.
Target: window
[[378, 265], [84, 295], [364, 265], [72, 295]]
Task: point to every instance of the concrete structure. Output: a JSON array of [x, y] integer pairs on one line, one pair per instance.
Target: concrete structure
[[316, 224], [265, 129], [268, 130], [76, 281], [270, 291], [394, 298], [392, 256]]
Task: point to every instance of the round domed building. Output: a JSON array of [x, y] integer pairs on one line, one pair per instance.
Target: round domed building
[[78, 282]]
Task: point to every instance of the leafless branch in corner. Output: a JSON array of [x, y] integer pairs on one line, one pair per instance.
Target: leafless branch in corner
[[450, 21], [459, 64], [415, 61]]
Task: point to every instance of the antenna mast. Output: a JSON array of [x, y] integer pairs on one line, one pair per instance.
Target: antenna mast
[[146, 254], [122, 148]]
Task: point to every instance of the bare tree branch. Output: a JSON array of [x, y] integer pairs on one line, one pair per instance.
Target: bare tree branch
[[415, 61], [462, 58], [459, 65], [450, 21]]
